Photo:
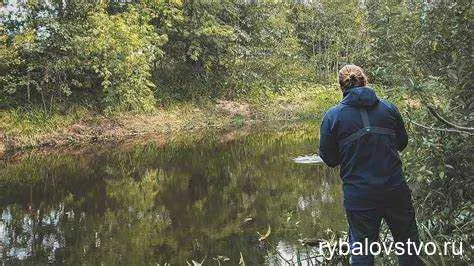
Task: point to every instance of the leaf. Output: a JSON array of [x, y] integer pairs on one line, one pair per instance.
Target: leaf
[[267, 234], [195, 263], [222, 258], [449, 166]]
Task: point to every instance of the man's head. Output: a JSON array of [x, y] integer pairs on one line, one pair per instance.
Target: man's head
[[350, 76]]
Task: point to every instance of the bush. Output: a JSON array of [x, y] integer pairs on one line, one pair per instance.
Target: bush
[[120, 49]]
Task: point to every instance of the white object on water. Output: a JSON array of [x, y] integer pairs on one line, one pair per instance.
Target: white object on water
[[308, 159]]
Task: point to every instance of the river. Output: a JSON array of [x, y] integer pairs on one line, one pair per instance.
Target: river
[[195, 198]]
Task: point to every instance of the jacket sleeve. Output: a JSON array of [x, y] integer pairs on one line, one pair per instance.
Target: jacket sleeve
[[400, 131], [328, 147]]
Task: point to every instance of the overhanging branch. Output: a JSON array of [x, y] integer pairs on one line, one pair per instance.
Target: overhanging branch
[[446, 122], [451, 130]]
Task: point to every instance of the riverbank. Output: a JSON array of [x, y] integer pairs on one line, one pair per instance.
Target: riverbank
[[77, 126]]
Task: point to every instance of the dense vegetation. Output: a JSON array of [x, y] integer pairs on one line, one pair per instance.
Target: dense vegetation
[[130, 56], [134, 55]]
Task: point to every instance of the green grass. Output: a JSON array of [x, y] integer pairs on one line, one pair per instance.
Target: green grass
[[34, 121], [30, 126], [307, 101]]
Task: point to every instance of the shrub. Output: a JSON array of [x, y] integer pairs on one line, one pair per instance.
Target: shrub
[[120, 49]]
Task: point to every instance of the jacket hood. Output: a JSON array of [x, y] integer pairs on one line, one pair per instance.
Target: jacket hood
[[360, 97]]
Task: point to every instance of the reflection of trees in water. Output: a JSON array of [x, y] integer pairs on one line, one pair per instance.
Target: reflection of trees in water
[[22, 232], [73, 232], [180, 202]]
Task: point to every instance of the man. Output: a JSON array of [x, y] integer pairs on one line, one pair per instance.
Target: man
[[363, 135]]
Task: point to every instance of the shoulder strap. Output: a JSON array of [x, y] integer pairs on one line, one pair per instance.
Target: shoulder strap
[[365, 117], [366, 129]]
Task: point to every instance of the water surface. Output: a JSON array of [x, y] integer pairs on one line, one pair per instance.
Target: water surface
[[194, 198]]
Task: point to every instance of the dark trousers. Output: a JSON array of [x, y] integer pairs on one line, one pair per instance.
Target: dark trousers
[[400, 217]]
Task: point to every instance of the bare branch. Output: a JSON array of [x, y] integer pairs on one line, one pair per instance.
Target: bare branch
[[440, 129], [446, 122]]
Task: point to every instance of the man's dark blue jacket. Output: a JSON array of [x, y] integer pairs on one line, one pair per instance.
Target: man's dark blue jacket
[[363, 135]]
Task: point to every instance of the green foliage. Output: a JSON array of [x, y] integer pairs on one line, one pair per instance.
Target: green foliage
[[57, 51], [10, 61], [333, 33], [423, 51], [268, 56], [200, 47], [35, 52], [120, 49]]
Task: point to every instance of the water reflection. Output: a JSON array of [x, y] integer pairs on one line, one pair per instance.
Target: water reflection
[[189, 200]]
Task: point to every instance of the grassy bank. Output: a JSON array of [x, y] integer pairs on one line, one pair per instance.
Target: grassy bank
[[77, 125]]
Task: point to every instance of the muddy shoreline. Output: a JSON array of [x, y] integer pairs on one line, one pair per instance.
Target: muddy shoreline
[[83, 145]]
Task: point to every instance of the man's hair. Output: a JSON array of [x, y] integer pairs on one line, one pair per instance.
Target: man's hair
[[350, 76]]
